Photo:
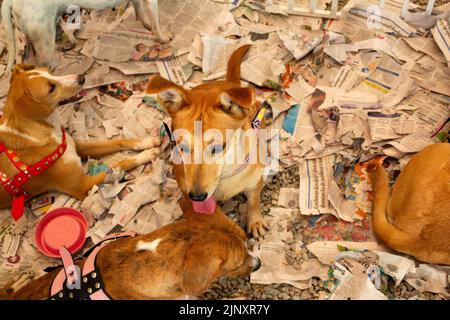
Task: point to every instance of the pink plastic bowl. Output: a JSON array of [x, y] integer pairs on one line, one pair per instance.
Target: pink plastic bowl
[[61, 227]]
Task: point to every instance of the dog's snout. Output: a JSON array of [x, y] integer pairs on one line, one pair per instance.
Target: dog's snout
[[256, 264], [81, 79], [198, 196]]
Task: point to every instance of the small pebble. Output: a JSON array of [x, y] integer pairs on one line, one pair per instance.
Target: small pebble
[[272, 291], [305, 295]]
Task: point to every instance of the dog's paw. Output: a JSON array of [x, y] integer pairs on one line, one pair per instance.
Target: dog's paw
[[257, 227], [147, 143], [166, 37], [149, 155]]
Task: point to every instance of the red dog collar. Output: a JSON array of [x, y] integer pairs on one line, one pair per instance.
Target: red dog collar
[[26, 173]]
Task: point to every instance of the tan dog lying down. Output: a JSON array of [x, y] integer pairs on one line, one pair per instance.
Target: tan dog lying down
[[26, 128], [415, 217], [179, 260]]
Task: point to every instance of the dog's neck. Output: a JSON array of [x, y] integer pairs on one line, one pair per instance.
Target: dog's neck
[[22, 132], [218, 220]]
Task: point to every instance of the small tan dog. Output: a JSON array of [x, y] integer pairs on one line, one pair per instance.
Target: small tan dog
[[177, 261], [26, 131], [221, 106], [415, 217]]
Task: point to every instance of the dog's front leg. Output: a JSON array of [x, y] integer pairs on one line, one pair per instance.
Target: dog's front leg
[[97, 149], [73, 181], [78, 184], [43, 41], [256, 224], [144, 157]]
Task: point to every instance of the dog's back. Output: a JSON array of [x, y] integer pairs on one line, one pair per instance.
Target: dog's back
[[179, 259], [414, 219]]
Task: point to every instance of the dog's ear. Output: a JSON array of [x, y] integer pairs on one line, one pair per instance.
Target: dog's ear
[[201, 267], [19, 68], [30, 107], [172, 96], [238, 102]]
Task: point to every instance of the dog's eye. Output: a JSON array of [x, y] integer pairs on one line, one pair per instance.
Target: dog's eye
[[184, 148], [217, 148], [52, 88]]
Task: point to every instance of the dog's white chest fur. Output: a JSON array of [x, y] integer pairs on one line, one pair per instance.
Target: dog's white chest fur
[[228, 188]]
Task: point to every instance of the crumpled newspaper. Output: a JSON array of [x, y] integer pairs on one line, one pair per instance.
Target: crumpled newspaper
[[362, 270], [340, 93]]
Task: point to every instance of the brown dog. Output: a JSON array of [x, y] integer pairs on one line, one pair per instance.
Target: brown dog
[[179, 260], [25, 128], [415, 217], [218, 105]]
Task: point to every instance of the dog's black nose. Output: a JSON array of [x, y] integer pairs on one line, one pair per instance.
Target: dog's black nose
[[81, 79], [256, 264], [198, 196]]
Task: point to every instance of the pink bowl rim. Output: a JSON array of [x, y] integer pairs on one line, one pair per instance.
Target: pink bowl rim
[[56, 213]]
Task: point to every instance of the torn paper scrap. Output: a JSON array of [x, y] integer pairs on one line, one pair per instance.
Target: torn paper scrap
[[299, 89], [427, 46], [441, 34], [288, 198], [326, 251], [345, 209], [315, 176], [177, 69], [404, 51], [427, 278], [354, 285], [394, 265], [301, 43]]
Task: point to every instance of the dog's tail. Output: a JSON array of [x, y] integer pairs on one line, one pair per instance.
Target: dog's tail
[[9, 33], [388, 233], [234, 64], [392, 236]]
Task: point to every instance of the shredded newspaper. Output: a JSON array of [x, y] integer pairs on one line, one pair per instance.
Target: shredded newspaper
[[340, 92]]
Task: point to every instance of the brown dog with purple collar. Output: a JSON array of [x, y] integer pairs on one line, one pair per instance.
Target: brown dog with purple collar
[[220, 106]]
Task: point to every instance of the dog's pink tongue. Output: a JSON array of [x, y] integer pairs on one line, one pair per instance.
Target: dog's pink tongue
[[206, 207]]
